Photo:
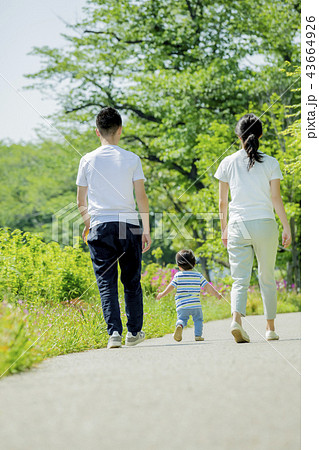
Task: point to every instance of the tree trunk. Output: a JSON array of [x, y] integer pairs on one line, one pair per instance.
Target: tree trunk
[[203, 263]]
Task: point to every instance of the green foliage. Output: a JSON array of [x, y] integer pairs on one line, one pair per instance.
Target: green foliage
[[15, 340], [182, 73], [37, 180], [51, 306], [38, 272]]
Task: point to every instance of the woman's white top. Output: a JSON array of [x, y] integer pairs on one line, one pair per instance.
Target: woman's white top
[[249, 189]]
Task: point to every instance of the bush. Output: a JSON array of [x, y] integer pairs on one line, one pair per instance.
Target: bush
[[40, 273], [15, 340], [51, 305]]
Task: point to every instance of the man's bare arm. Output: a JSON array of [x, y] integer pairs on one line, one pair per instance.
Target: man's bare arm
[[143, 207], [82, 193]]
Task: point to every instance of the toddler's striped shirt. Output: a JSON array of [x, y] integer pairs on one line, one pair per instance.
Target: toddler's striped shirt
[[188, 284]]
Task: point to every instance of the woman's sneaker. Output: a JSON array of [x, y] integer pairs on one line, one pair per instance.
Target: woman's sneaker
[[115, 341], [239, 333], [178, 335], [199, 338], [131, 340], [271, 335]]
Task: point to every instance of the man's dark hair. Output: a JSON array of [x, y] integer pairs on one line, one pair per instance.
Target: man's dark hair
[[186, 259], [108, 121]]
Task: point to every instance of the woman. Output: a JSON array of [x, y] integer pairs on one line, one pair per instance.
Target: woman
[[254, 182]]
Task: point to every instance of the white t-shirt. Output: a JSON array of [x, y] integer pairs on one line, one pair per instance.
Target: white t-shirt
[[109, 172], [249, 189]]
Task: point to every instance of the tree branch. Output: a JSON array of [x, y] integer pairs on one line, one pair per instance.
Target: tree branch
[[79, 108], [137, 41], [148, 116], [176, 205], [192, 174], [221, 262]]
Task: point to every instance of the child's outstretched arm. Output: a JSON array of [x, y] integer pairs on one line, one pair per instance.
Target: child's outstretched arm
[[210, 290], [168, 290]]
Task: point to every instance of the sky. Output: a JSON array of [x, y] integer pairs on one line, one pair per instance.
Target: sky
[[23, 25]]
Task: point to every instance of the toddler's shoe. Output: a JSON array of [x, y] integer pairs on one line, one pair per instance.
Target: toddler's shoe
[[199, 338], [115, 341], [131, 340], [239, 333], [271, 335], [178, 335]]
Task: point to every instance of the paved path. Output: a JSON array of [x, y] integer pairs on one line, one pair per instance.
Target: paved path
[[162, 395]]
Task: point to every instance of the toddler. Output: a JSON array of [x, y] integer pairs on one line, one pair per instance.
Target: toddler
[[188, 284]]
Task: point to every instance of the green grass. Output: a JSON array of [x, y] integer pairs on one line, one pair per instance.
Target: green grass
[[67, 328], [39, 316]]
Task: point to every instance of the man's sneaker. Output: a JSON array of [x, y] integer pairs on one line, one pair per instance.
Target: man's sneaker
[[131, 340], [178, 335], [271, 335], [239, 333], [199, 338], [115, 341]]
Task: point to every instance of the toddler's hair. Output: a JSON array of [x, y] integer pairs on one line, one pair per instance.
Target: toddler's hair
[[185, 259], [108, 121], [249, 128]]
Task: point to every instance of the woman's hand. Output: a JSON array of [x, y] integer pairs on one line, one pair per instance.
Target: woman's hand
[[225, 237], [159, 296], [286, 237]]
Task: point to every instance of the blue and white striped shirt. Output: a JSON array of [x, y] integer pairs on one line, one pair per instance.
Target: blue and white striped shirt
[[188, 284]]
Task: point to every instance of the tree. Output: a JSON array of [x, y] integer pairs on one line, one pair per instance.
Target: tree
[[182, 73]]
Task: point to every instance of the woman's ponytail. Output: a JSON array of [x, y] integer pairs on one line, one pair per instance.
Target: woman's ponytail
[[249, 129], [251, 146]]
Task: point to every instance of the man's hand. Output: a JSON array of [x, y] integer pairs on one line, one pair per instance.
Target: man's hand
[[146, 242], [85, 233], [159, 296], [286, 237]]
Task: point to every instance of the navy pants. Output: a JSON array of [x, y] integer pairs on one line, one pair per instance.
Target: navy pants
[[110, 242]]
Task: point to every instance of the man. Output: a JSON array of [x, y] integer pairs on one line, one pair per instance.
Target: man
[[108, 177]]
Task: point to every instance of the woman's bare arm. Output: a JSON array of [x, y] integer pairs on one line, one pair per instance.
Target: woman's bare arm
[[280, 210], [223, 207]]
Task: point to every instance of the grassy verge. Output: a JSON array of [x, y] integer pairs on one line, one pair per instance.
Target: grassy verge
[[31, 332]]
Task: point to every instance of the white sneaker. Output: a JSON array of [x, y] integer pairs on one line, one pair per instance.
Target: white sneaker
[[239, 333], [115, 341], [271, 335], [131, 340]]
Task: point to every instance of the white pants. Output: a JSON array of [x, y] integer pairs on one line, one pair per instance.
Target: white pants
[[244, 239]]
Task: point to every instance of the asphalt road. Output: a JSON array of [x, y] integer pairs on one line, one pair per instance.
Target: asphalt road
[[162, 395]]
